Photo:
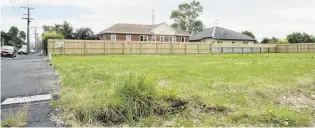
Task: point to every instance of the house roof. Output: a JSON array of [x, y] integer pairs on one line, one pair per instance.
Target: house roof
[[136, 29], [220, 33]]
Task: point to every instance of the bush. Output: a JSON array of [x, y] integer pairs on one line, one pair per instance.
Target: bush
[[49, 35], [139, 97]]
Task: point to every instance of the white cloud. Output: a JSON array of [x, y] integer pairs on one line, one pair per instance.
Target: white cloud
[[264, 18]]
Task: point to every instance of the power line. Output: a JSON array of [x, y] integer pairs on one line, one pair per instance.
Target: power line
[[17, 7], [14, 8]]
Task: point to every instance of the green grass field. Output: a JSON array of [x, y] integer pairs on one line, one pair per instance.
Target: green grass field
[[187, 90]]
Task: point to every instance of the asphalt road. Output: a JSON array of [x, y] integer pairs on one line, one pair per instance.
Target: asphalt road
[[27, 76]]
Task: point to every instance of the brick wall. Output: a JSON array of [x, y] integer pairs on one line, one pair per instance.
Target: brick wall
[[136, 37]]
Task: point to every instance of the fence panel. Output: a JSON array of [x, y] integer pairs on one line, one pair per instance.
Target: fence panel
[[96, 47]]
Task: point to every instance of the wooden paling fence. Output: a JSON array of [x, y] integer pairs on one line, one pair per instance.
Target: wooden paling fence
[[94, 47]]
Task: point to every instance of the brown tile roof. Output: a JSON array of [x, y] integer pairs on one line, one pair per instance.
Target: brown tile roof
[[136, 29]]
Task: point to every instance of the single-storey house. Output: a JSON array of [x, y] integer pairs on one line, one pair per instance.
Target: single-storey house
[[219, 35], [139, 32]]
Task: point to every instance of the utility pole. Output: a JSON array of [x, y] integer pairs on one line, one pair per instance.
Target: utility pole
[[153, 17], [28, 19], [35, 37]]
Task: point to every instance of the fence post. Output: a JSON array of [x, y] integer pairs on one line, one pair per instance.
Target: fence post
[[185, 48], [276, 50], [124, 48], [232, 49], [157, 47], [308, 47], [251, 49], [210, 48], [242, 50], [198, 48], [104, 47], [268, 49], [297, 48], [286, 49], [259, 49], [53, 46], [171, 47], [84, 47], [141, 48], [221, 49], [63, 49]]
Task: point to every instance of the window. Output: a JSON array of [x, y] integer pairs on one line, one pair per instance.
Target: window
[[153, 38], [171, 39], [183, 39], [245, 42], [162, 38], [128, 37], [143, 38], [113, 37], [233, 42], [219, 42]]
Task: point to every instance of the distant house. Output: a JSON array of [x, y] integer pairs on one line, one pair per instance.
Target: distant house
[[219, 35], [139, 32]]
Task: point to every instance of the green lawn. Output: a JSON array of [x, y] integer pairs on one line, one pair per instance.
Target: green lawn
[[215, 90]]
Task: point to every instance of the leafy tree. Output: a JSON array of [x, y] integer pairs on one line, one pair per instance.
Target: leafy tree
[[13, 31], [297, 37], [186, 16], [49, 35], [5, 37], [85, 34], [248, 33], [283, 41], [12, 37], [22, 35], [65, 29], [273, 40], [265, 40]]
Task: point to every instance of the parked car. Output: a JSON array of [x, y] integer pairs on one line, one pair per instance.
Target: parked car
[[10, 51], [32, 51], [23, 50]]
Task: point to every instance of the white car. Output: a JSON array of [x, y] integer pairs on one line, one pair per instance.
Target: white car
[[32, 51], [22, 50]]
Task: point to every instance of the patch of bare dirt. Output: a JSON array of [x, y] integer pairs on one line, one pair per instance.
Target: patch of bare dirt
[[297, 101]]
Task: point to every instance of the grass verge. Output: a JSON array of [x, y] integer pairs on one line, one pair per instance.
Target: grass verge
[[17, 119]]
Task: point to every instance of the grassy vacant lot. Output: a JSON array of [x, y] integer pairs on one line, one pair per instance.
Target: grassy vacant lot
[[188, 90]]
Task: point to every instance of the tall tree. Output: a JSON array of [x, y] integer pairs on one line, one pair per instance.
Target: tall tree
[[273, 40], [298, 37], [12, 37], [313, 39], [5, 37], [265, 40], [22, 35], [65, 29], [84, 34], [186, 16], [13, 31], [248, 33]]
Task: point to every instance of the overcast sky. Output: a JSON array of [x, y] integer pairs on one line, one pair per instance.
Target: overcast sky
[[265, 18]]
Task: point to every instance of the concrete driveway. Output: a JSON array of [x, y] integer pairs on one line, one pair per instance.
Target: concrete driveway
[[28, 76]]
